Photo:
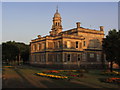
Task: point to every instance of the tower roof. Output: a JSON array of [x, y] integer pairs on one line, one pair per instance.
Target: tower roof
[[57, 14]]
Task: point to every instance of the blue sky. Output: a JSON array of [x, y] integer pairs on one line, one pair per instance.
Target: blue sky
[[23, 21]]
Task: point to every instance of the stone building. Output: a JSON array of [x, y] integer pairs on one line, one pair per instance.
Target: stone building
[[77, 47]]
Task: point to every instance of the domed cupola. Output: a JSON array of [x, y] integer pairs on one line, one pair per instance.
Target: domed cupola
[[57, 14]]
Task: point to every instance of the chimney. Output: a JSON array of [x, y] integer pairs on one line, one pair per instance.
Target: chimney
[[78, 24], [39, 36], [101, 28]]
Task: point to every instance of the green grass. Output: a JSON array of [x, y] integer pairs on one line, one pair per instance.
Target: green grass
[[50, 82], [92, 78]]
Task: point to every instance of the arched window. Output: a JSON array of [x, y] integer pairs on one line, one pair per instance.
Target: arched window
[[76, 44], [58, 24]]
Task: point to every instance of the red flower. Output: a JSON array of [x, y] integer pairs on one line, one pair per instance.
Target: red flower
[[74, 75]]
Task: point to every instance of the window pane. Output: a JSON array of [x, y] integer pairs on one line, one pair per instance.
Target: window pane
[[68, 57], [84, 43], [68, 44], [98, 57], [91, 55], [77, 44], [78, 57], [84, 57]]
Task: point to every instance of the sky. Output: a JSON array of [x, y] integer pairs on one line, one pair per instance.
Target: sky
[[24, 21]]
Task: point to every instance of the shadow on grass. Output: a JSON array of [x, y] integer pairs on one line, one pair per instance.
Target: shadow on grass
[[25, 81], [62, 84], [16, 83]]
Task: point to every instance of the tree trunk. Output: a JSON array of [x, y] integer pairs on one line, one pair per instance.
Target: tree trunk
[[19, 59], [111, 66]]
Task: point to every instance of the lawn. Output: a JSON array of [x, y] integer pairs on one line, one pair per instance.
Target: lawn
[[93, 77], [89, 79]]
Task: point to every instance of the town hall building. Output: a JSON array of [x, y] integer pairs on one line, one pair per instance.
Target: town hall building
[[77, 47]]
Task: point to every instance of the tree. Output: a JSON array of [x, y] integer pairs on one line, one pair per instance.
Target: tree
[[15, 51], [118, 49], [23, 51], [110, 47], [9, 51]]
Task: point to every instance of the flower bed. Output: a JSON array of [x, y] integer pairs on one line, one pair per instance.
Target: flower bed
[[67, 70], [113, 80], [7, 66], [51, 71], [62, 74], [110, 73], [52, 76]]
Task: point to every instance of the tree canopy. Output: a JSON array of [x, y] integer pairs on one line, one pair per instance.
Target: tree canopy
[[12, 50], [111, 46]]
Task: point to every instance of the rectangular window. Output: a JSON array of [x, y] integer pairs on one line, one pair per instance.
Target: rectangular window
[[58, 58], [76, 44], [92, 55], [43, 58], [38, 46], [43, 46], [84, 43], [64, 57], [58, 44], [54, 44], [80, 45], [35, 58], [39, 58], [83, 57], [98, 57], [34, 47], [78, 57], [68, 57]]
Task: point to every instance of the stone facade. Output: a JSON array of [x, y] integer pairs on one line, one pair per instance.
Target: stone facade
[[77, 47]]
